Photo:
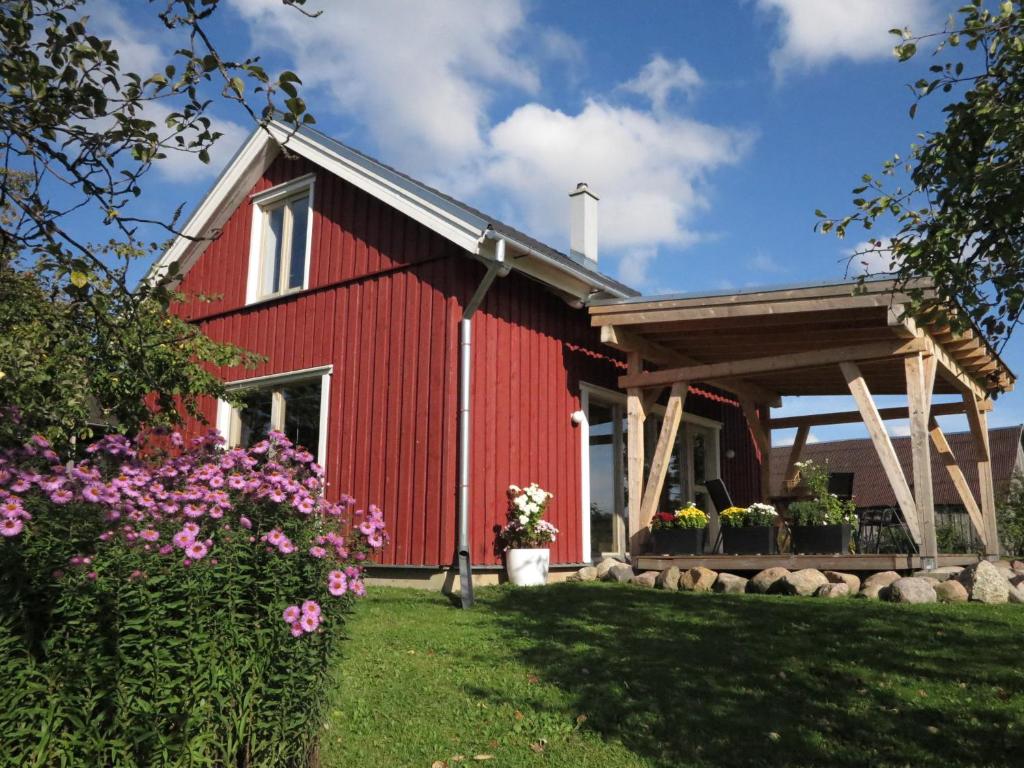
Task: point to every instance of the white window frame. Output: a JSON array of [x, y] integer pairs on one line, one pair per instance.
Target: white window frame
[[262, 203], [226, 412], [620, 527]]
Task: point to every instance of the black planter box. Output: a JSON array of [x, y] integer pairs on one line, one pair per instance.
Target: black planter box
[[678, 541], [821, 539], [753, 540]]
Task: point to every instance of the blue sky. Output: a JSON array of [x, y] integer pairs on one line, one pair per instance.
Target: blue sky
[[710, 130]]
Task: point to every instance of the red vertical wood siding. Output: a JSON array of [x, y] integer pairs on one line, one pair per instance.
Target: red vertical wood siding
[[383, 306]]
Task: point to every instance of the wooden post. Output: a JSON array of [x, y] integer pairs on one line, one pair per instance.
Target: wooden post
[[978, 420], [883, 446], [792, 472], [635, 530], [945, 452], [762, 437], [663, 451], [919, 400]]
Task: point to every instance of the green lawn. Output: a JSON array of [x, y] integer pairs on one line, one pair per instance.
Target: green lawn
[[610, 676]]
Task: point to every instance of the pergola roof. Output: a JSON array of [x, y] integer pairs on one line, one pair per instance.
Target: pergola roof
[[789, 341]]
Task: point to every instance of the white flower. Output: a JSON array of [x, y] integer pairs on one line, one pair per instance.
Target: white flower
[[524, 519]]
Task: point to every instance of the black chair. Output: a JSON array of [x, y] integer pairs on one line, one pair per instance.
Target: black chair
[[719, 494], [874, 523]]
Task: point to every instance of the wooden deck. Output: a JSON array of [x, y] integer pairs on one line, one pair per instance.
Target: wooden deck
[[898, 562]]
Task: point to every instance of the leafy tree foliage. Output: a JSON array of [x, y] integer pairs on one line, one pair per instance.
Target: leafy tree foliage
[[1011, 517], [78, 134], [958, 199]]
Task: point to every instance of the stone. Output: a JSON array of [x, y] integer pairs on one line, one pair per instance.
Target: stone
[[945, 573], [1016, 594], [697, 579], [621, 573], [606, 565], [985, 583], [876, 582], [730, 584], [911, 589], [806, 581], [586, 573], [835, 589], [668, 579], [763, 581], [850, 580], [951, 591], [646, 579], [1016, 580]]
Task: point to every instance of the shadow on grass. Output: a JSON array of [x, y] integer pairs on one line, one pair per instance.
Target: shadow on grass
[[684, 679]]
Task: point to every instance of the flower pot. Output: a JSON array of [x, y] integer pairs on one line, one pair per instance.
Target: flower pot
[[821, 539], [678, 541], [527, 567], [749, 540]]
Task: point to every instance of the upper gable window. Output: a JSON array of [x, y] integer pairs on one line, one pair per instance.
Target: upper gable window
[[281, 229]]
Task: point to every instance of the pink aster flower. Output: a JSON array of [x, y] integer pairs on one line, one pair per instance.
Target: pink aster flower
[[311, 606], [183, 539], [336, 575], [197, 550], [297, 629], [194, 510], [150, 535], [11, 508], [291, 614], [310, 622], [338, 587], [358, 587], [11, 526], [286, 547], [93, 492], [245, 522], [192, 528], [237, 482], [375, 540], [275, 537], [317, 552]]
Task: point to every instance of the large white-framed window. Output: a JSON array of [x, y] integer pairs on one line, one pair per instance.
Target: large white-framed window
[[295, 403], [282, 234], [603, 437]]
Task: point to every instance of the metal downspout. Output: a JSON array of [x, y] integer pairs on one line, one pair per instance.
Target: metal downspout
[[497, 268]]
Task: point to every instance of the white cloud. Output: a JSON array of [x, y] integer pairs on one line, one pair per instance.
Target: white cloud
[[419, 74], [634, 267], [648, 170], [765, 262], [867, 258], [815, 32], [661, 77]]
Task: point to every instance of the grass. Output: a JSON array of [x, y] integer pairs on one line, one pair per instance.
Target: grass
[[615, 676]]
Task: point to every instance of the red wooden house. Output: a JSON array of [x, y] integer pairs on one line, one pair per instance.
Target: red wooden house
[[430, 354]]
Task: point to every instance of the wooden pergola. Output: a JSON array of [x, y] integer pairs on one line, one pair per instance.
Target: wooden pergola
[[820, 340]]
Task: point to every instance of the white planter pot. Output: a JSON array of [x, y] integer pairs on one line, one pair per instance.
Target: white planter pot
[[527, 567]]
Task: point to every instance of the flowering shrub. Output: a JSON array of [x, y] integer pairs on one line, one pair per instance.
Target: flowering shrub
[[188, 607], [825, 508], [757, 514], [526, 528], [687, 517]]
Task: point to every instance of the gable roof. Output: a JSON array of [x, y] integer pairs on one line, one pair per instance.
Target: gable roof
[[455, 220], [871, 487]]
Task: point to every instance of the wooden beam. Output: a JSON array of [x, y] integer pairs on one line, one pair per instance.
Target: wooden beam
[[986, 488], [795, 454], [919, 398], [853, 417], [977, 425], [883, 446], [963, 488], [625, 314], [774, 363], [663, 451], [762, 437], [636, 530], [651, 398], [626, 341]]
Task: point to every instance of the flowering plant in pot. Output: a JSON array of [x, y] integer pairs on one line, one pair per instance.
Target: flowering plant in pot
[[526, 535], [749, 530], [679, 532], [823, 524]]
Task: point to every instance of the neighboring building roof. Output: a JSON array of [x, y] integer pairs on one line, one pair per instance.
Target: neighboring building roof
[[871, 487], [461, 223]]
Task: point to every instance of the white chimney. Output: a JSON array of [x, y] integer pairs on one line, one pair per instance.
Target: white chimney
[[583, 223]]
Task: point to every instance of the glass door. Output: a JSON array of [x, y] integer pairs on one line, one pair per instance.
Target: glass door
[[606, 457]]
